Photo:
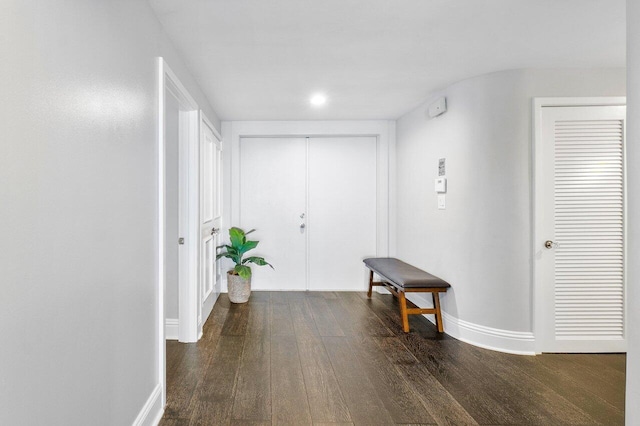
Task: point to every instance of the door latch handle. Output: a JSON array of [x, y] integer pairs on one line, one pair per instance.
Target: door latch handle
[[214, 230]]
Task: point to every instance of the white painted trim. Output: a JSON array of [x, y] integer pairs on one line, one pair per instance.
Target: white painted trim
[[189, 203], [392, 207], [172, 328], [152, 411], [536, 195], [512, 342], [207, 307], [579, 101], [167, 79], [210, 125], [160, 289], [495, 339]]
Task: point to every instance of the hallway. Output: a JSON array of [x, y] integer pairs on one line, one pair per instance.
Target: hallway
[[302, 357]]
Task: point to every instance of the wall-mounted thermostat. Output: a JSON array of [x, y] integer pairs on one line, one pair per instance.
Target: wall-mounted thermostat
[[441, 184]]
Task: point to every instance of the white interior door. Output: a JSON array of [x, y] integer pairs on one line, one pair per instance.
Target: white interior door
[[273, 201], [580, 229], [342, 211], [210, 215]]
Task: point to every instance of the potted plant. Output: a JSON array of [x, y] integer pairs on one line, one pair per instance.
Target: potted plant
[[239, 278]]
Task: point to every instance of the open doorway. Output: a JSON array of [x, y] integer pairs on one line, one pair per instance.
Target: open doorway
[[178, 207]]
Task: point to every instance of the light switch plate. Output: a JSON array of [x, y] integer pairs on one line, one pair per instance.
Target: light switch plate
[[441, 202]]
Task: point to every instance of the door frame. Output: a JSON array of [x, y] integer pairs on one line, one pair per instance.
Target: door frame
[[538, 206], [188, 280], [384, 131]]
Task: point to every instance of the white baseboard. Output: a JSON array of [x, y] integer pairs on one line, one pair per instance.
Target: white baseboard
[[152, 411], [171, 329], [512, 342], [495, 339]]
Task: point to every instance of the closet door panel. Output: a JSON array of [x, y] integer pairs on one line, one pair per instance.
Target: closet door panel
[[341, 221], [272, 198]]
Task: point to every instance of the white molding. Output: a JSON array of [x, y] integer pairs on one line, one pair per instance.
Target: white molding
[[207, 307], [189, 202], [167, 80], [495, 339], [152, 411], [538, 104], [210, 125], [172, 328], [578, 101], [160, 290]]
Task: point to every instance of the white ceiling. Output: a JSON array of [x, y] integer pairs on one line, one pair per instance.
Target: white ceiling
[[376, 59]]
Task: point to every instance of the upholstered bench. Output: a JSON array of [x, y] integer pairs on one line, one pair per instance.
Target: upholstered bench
[[400, 278]]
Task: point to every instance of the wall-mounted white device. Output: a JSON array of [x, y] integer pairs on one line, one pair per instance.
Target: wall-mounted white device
[[441, 185], [438, 107]]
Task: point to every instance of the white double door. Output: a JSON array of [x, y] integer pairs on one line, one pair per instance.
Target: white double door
[[313, 204]]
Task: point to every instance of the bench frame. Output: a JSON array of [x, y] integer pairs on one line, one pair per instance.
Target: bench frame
[[399, 292]]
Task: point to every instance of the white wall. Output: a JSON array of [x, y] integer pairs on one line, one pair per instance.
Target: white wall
[[481, 242], [633, 214], [78, 212]]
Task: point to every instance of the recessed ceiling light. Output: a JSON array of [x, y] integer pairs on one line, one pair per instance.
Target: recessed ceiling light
[[318, 99]]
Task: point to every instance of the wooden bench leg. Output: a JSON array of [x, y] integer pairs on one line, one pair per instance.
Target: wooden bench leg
[[403, 311], [370, 284], [436, 305]]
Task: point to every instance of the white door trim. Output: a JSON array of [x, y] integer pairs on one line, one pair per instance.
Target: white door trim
[[538, 105], [383, 130], [167, 79]]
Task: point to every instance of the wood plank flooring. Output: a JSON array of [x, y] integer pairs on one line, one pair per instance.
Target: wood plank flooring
[[320, 358]]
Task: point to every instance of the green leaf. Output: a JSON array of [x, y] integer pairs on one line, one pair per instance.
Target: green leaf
[[248, 232], [237, 237], [243, 270], [258, 261], [248, 245]]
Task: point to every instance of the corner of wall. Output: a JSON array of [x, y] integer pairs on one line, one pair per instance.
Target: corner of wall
[[152, 411]]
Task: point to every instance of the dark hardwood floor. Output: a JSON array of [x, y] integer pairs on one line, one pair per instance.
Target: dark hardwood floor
[[340, 358]]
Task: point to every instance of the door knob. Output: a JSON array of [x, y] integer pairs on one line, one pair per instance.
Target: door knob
[[550, 244], [214, 230], [302, 226]]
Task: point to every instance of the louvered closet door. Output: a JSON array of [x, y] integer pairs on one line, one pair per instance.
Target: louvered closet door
[[583, 252]]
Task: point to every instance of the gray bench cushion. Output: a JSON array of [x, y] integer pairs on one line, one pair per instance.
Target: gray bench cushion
[[402, 274]]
